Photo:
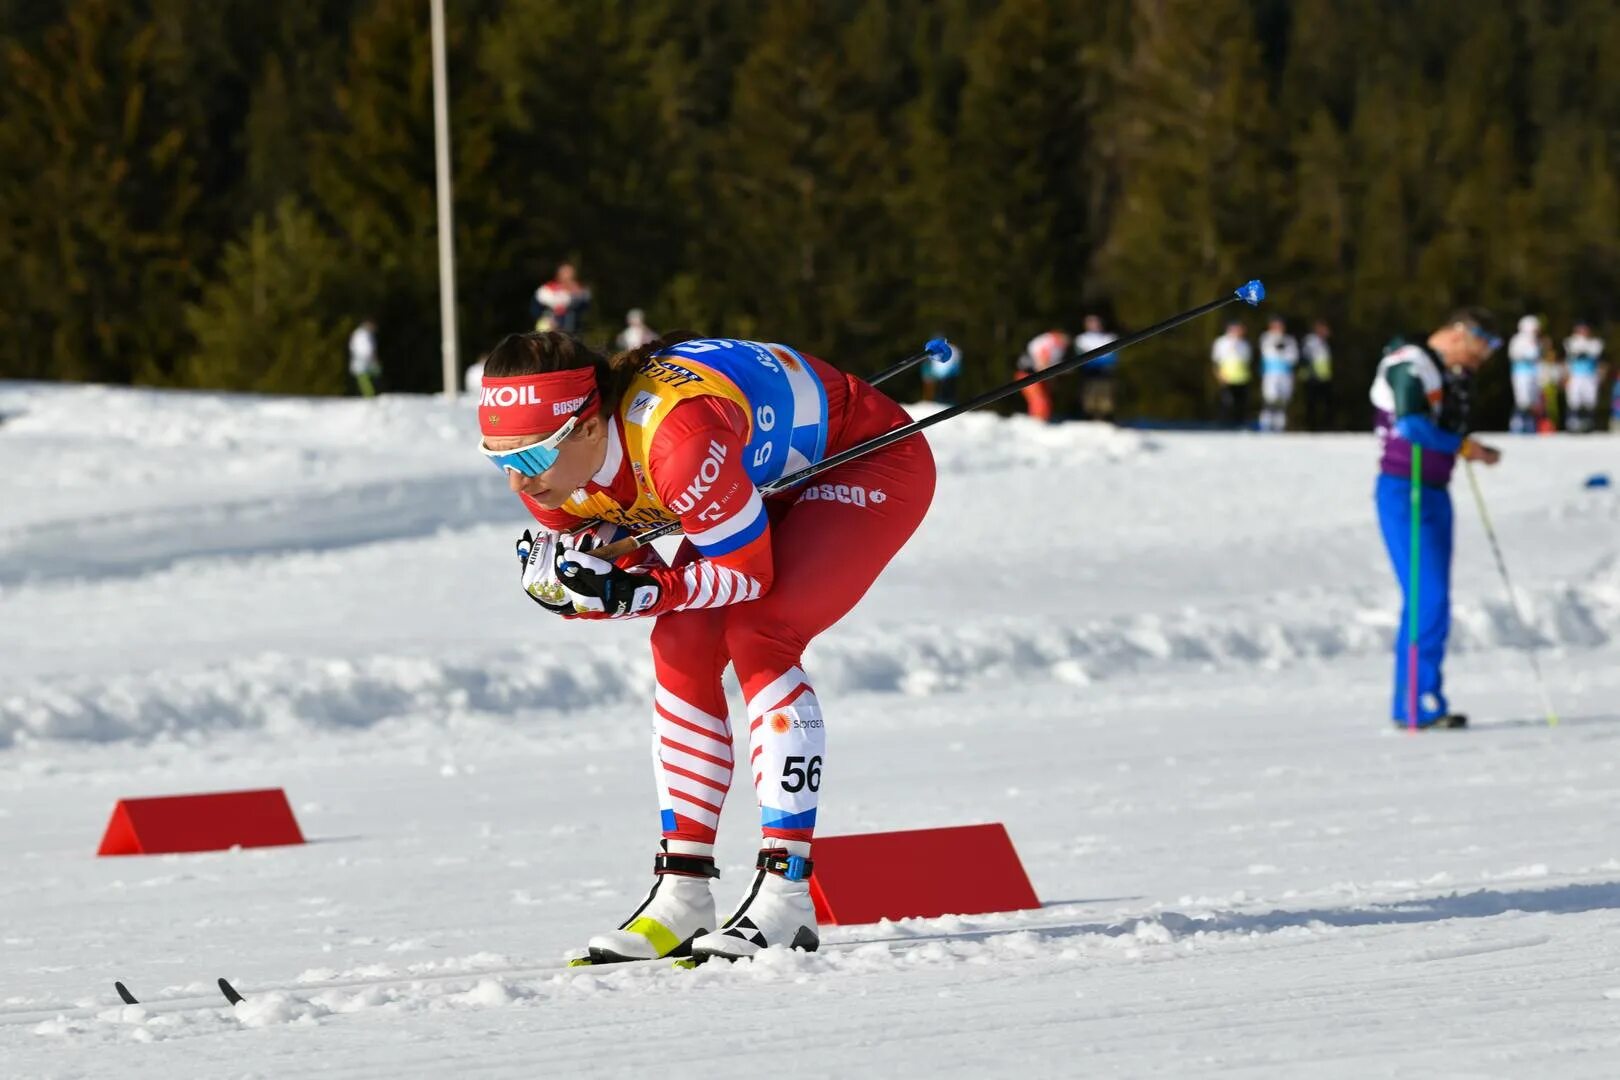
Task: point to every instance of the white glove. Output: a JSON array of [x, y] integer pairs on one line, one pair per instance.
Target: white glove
[[538, 556]]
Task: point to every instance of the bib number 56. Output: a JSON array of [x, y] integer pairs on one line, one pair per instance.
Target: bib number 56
[[796, 778]]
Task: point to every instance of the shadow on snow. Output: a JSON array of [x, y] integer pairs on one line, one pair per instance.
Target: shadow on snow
[[1480, 904]]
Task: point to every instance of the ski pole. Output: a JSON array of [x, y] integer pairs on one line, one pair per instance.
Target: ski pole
[[1414, 566], [936, 347], [1251, 293], [1513, 600]]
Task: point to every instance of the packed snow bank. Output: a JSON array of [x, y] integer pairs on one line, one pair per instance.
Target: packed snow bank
[[1161, 662], [112, 482], [178, 563], [71, 452], [286, 694]]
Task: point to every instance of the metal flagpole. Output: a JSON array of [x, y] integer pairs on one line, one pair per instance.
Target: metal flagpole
[[447, 244]]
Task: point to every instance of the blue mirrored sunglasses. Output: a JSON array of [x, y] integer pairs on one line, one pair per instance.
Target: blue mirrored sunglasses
[[1492, 342], [536, 458]]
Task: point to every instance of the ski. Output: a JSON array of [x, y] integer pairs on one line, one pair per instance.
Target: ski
[[224, 987], [628, 961], [586, 961], [188, 1001], [685, 963]]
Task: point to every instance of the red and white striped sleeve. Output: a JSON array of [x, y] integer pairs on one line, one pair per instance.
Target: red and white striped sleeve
[[695, 465]]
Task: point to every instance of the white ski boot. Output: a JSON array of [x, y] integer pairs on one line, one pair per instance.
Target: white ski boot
[[775, 913], [679, 908]]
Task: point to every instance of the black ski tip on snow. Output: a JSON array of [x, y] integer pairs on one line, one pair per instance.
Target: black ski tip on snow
[[123, 992], [230, 992]]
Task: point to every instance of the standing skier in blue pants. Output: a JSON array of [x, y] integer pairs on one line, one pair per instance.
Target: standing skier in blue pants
[[1421, 397]]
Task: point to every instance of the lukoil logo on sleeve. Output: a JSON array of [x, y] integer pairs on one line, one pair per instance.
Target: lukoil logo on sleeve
[[708, 473]]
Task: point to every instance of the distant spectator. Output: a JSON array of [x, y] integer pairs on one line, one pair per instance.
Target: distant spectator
[[1524, 357], [1550, 373], [1232, 356], [473, 381], [1583, 354], [636, 333], [1420, 402], [939, 376], [1097, 376], [363, 363], [1317, 354], [1042, 352], [564, 299], [1279, 356]]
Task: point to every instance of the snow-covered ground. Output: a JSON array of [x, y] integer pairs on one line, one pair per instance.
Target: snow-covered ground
[[1161, 660]]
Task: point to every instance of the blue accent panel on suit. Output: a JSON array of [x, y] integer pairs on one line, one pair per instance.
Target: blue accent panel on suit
[[739, 539], [781, 819], [1425, 433], [787, 401]]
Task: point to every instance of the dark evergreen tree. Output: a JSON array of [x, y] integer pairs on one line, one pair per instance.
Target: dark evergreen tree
[[585, 166], [268, 320], [96, 185], [1013, 189], [1199, 185], [209, 191], [801, 228]]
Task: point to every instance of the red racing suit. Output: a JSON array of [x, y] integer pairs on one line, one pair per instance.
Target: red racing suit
[[702, 427]]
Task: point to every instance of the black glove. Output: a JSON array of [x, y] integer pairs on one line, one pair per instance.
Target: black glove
[[598, 587]]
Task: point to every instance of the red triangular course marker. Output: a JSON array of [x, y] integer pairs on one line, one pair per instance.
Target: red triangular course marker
[[120, 838], [211, 822], [919, 873]]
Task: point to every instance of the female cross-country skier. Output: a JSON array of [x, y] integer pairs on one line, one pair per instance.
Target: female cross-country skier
[[689, 430]]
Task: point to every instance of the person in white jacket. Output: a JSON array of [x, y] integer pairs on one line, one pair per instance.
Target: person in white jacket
[[1524, 358], [1279, 356], [363, 364], [1583, 356], [636, 332]]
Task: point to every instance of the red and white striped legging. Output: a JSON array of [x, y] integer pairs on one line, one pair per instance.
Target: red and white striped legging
[[829, 542]]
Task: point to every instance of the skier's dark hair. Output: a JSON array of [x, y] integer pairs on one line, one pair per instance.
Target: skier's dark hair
[[1478, 316], [540, 351]]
